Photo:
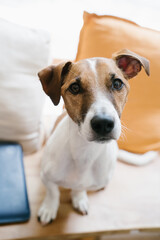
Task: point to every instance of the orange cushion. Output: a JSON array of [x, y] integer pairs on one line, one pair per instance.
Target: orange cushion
[[101, 36]]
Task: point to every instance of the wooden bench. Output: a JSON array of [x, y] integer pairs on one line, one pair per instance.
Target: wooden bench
[[129, 204]]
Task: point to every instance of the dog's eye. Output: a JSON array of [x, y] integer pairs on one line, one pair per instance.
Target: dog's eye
[[117, 84], [74, 88]]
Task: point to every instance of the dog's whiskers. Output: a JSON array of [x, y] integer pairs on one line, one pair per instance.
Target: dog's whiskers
[[124, 130], [125, 127], [123, 136]]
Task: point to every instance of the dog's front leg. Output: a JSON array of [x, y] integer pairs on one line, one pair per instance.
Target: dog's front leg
[[48, 210], [80, 201]]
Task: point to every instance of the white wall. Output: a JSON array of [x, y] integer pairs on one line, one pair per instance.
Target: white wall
[[63, 18]]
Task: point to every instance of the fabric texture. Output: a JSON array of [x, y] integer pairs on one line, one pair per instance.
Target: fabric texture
[[101, 36], [24, 52]]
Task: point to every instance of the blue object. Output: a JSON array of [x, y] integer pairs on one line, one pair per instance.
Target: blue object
[[14, 205]]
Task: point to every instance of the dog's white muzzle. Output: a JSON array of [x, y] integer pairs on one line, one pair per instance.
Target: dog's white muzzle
[[102, 122]]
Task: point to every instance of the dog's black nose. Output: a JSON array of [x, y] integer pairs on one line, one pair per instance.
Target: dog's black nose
[[102, 125]]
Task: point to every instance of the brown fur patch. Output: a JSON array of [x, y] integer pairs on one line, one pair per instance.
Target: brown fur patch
[[78, 105], [106, 69]]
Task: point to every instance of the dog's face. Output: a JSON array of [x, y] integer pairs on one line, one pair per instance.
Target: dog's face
[[94, 91]]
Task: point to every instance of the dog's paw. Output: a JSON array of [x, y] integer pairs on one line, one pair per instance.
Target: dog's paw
[[47, 213], [80, 202]]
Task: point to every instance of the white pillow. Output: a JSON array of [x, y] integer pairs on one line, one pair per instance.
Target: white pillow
[[23, 52]]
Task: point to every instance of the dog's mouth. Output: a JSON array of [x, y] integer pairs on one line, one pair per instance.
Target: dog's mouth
[[100, 139], [100, 128]]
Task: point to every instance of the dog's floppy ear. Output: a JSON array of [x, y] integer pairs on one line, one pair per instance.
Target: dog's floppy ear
[[130, 63], [52, 79]]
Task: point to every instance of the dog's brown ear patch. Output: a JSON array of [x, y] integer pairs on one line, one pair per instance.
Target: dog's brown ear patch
[[65, 71], [52, 79], [45, 77], [130, 63]]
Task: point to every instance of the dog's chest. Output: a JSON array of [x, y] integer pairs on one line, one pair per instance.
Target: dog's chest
[[93, 164], [77, 164], [87, 173]]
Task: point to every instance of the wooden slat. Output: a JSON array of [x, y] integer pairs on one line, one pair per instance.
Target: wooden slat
[[133, 236]]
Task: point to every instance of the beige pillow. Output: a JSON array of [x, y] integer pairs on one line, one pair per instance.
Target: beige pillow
[[24, 52]]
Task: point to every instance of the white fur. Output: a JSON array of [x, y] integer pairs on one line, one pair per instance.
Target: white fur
[[137, 159], [72, 162], [72, 159], [80, 201], [92, 65]]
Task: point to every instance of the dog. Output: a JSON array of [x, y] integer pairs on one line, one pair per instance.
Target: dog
[[81, 152]]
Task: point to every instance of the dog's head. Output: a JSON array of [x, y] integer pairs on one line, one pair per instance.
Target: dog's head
[[94, 91]]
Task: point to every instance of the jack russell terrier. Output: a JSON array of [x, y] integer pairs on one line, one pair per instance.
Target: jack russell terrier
[[81, 152]]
